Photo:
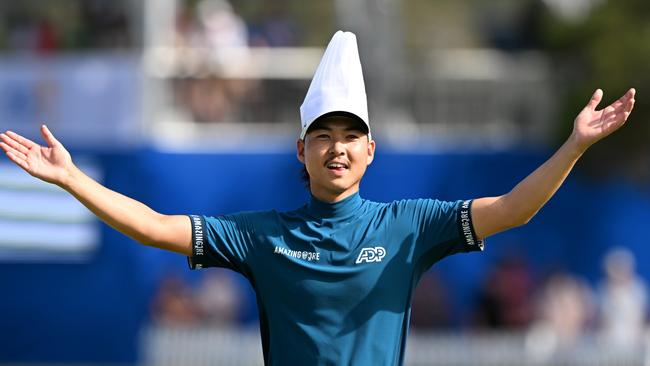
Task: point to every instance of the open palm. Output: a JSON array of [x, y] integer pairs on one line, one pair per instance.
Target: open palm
[[50, 163], [592, 125]]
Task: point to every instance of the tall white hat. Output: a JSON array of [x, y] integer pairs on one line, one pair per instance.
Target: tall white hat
[[337, 85]]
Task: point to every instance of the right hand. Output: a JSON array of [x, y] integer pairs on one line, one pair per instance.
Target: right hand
[[50, 163]]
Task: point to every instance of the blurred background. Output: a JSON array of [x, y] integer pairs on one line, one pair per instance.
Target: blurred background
[[191, 106]]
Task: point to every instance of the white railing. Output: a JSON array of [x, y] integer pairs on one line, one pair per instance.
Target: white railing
[[233, 347], [476, 96]]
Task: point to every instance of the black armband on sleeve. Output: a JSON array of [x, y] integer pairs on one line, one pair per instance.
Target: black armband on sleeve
[[466, 227], [199, 258]]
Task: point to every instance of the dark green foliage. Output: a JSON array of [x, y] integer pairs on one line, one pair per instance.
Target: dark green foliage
[[610, 49]]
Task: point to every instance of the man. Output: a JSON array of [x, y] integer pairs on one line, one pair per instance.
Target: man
[[333, 278]]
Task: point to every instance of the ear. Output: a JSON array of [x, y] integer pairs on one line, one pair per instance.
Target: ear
[[300, 150], [371, 151]]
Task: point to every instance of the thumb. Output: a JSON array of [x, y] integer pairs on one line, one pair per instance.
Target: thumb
[[49, 137], [595, 99]]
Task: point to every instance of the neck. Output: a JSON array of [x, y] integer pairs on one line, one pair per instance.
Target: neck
[[339, 210], [332, 197]]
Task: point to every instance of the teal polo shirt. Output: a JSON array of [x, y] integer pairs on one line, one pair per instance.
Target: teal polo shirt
[[334, 280]]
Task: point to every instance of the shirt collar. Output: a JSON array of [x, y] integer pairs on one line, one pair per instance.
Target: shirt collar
[[341, 208]]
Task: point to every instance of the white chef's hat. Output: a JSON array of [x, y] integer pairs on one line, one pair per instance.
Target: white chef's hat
[[337, 85]]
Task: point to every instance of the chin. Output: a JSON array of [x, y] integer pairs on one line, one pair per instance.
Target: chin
[[341, 188]]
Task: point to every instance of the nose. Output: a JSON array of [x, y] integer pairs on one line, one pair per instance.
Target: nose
[[337, 148]]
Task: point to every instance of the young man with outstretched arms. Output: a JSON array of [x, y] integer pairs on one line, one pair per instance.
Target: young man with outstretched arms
[[333, 278]]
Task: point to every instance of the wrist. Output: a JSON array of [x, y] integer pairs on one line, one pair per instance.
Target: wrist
[[70, 175], [576, 145]]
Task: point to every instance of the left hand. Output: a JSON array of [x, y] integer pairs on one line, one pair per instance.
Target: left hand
[[592, 125]]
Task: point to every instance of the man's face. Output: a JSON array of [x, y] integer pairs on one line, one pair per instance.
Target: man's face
[[336, 153]]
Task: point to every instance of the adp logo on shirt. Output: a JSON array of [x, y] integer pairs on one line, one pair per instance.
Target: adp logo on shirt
[[375, 254]]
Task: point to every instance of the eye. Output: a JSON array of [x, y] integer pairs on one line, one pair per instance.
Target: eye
[[352, 137], [322, 136]]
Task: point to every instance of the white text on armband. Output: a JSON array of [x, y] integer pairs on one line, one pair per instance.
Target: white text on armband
[[466, 223], [198, 235]]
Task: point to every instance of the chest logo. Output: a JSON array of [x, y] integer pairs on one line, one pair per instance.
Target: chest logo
[[375, 254], [308, 256]]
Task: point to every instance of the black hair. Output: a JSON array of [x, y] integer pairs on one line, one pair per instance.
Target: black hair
[[304, 176], [352, 116]]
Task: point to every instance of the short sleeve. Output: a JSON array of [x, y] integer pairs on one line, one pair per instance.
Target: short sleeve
[[224, 241], [443, 228]]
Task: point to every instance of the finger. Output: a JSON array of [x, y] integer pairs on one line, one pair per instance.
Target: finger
[[9, 149], [595, 99], [13, 143], [615, 120], [616, 117], [621, 102], [49, 137], [608, 113], [625, 116], [629, 106], [624, 99], [20, 162], [621, 107], [21, 140]]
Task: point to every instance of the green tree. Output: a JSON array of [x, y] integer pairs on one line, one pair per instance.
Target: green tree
[[609, 49]]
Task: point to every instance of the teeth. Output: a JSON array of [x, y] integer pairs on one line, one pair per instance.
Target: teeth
[[335, 165]]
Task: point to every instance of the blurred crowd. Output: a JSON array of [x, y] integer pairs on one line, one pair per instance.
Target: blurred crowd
[[216, 301], [215, 41], [211, 30], [46, 27], [557, 312]]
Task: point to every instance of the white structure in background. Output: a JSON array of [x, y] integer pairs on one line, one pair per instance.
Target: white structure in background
[[478, 97], [166, 346], [41, 222], [88, 100]]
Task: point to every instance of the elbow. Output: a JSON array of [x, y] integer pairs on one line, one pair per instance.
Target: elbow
[[515, 221], [152, 234], [146, 239], [154, 239], [522, 220], [519, 215], [169, 233]]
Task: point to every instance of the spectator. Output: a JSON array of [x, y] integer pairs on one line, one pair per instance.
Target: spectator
[[212, 44], [565, 308], [219, 299], [173, 304], [224, 33], [430, 309], [275, 28], [504, 301], [623, 302]]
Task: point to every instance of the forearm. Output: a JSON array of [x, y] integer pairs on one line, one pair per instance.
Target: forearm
[[126, 215], [492, 215], [530, 195], [495, 214]]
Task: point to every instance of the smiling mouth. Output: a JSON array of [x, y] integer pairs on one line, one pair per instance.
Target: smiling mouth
[[336, 166]]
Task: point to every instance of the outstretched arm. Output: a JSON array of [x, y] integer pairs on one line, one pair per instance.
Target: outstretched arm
[[495, 214], [54, 164]]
